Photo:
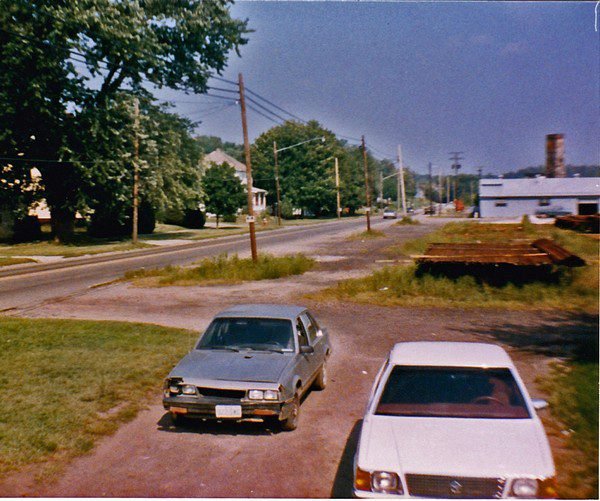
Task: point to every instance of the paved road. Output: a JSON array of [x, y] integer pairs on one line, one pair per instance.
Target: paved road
[[27, 286]]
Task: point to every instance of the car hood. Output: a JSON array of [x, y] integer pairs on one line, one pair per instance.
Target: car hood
[[232, 366], [460, 447]]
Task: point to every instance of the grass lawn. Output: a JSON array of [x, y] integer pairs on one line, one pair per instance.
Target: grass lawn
[[65, 383], [75, 249], [8, 261], [577, 289], [573, 390], [223, 270]]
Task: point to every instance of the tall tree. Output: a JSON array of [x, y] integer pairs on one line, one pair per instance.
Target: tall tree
[[306, 173], [122, 44], [224, 192]]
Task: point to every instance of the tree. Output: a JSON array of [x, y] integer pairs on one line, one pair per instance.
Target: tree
[[306, 173], [208, 144], [224, 193], [122, 44]]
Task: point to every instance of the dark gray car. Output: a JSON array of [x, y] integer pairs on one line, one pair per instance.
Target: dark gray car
[[253, 361]]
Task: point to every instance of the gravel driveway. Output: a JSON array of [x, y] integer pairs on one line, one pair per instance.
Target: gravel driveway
[[148, 457]]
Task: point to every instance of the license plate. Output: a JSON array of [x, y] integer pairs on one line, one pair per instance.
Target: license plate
[[228, 411], [178, 410]]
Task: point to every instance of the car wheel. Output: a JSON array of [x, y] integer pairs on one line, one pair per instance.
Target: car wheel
[[177, 419], [291, 422], [321, 380]]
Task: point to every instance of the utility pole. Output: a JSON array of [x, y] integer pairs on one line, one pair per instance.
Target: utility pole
[[250, 217], [136, 169], [401, 181], [277, 184], [367, 195], [430, 191], [455, 166], [440, 191], [337, 188]]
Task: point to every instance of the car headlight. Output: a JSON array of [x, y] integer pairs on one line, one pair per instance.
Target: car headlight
[[188, 389], [256, 394], [174, 388], [271, 395], [525, 488], [385, 482]]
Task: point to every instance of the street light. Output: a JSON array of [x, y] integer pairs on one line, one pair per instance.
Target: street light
[[275, 151]]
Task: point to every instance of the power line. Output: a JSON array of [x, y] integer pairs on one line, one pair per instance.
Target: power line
[[263, 115], [265, 108], [275, 106]]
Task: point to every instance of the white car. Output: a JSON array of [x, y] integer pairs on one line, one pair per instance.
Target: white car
[[389, 214], [452, 420]]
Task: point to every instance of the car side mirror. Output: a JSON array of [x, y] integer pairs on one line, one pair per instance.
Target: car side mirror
[[304, 350], [539, 403]]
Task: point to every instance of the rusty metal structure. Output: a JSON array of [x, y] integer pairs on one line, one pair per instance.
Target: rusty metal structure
[[584, 224], [555, 156], [542, 252]]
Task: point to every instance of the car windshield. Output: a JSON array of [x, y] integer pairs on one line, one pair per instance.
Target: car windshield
[[248, 333], [452, 392]]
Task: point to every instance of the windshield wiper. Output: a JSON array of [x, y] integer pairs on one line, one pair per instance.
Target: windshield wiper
[[228, 348], [274, 350]]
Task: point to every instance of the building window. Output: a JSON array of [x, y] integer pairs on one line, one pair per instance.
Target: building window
[[500, 204], [544, 202]]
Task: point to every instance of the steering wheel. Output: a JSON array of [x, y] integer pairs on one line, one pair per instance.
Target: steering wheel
[[486, 398]]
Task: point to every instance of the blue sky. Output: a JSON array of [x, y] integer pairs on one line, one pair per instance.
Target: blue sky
[[489, 79]]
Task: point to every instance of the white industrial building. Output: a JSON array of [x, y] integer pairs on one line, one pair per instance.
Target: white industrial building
[[517, 197]]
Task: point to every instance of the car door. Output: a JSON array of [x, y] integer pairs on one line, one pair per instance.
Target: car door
[[315, 340], [306, 361]]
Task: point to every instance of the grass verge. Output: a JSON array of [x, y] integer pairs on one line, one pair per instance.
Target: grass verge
[[224, 270], [9, 261], [67, 250], [406, 220], [576, 290], [66, 383], [573, 389], [367, 235]]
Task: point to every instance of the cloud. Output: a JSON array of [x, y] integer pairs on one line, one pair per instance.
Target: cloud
[[513, 48]]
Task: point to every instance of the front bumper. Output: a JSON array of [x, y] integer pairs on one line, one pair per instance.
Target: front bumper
[[204, 408]]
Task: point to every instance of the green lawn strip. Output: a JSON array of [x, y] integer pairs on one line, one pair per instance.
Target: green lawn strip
[[9, 261], [576, 290], [400, 286], [406, 220], [224, 270], [67, 250], [573, 389], [66, 383]]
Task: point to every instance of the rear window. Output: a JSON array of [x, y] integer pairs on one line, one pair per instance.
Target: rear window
[[452, 392]]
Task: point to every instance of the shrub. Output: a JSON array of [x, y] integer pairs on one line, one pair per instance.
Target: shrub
[[194, 219], [27, 229]]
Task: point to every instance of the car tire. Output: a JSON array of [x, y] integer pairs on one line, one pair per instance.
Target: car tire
[[177, 419], [291, 422], [321, 379]]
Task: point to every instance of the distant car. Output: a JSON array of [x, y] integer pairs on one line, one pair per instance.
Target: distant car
[[389, 214], [452, 420], [552, 212], [253, 361]]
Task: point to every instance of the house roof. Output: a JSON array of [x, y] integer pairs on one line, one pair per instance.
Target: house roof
[[219, 156], [539, 187]]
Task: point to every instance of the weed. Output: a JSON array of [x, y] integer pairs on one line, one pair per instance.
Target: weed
[[224, 270]]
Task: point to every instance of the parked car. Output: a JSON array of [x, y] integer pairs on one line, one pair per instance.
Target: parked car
[[552, 212], [389, 213], [253, 361], [452, 420]]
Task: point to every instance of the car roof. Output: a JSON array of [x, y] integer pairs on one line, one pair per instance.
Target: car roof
[[262, 311], [450, 354]]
